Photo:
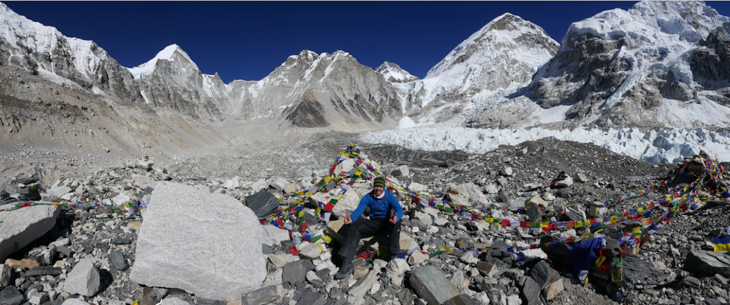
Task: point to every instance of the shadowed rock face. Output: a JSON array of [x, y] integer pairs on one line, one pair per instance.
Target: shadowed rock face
[[592, 67], [308, 113], [710, 63]]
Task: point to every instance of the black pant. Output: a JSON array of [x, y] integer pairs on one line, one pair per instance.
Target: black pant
[[363, 228]]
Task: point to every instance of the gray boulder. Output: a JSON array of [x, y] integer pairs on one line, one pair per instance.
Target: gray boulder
[[312, 298], [530, 292], [639, 272], [296, 271], [11, 296], [363, 284], [262, 295], [118, 261], [543, 274], [5, 275], [707, 262], [20, 227], [431, 284], [83, 279], [206, 244], [273, 236], [262, 203]]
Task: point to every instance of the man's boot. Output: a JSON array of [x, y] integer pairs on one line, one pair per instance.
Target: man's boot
[[345, 269]]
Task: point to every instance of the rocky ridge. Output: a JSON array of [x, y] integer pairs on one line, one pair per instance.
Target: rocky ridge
[[631, 68], [103, 240]]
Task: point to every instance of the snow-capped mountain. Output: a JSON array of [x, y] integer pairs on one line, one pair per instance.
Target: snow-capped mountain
[[633, 68], [33, 48], [320, 90], [496, 60], [503, 54], [394, 73], [171, 80], [659, 64]]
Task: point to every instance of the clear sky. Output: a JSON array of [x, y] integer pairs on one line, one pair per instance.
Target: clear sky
[[248, 40]]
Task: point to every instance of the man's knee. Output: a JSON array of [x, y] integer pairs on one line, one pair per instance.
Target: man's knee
[[357, 225], [396, 226]]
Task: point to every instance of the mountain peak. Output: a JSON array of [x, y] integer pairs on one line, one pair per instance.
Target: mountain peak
[[689, 20], [170, 53], [507, 36], [394, 73]]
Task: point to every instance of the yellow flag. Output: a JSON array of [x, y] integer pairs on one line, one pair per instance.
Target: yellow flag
[[600, 260], [586, 236], [721, 247]]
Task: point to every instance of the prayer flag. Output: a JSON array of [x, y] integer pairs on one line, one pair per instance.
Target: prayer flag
[[721, 243]]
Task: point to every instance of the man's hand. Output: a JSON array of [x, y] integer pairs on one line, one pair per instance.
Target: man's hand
[[393, 217], [347, 219]]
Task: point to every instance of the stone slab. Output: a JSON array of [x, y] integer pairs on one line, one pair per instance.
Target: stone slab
[[20, 227], [431, 284], [206, 244], [706, 262]]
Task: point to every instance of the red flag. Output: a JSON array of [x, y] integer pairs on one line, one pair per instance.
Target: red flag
[[304, 227]]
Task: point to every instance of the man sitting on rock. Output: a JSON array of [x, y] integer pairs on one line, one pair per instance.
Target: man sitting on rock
[[385, 218]]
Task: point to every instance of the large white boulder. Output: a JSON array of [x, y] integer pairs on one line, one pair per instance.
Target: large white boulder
[[344, 166], [20, 227], [206, 244], [349, 201]]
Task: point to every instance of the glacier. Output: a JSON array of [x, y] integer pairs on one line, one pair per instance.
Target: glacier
[[666, 146]]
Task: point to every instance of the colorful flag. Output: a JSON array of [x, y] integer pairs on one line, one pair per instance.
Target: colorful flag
[[721, 243]]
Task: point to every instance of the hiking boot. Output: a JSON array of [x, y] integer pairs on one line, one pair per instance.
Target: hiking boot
[[345, 270]]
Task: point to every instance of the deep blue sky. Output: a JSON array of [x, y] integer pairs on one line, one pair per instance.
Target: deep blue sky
[[248, 40]]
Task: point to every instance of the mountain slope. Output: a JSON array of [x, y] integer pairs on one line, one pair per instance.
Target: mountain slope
[[171, 80], [496, 60], [632, 68], [344, 94], [30, 46]]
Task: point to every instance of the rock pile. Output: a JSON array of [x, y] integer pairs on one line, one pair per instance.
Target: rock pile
[[197, 234]]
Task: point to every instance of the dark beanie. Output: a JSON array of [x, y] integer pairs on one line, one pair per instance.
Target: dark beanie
[[379, 181]]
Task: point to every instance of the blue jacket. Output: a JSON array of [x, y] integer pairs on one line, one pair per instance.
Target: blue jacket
[[378, 207]]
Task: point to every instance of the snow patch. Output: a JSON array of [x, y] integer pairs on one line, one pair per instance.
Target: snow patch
[[406, 122], [144, 96], [168, 53]]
